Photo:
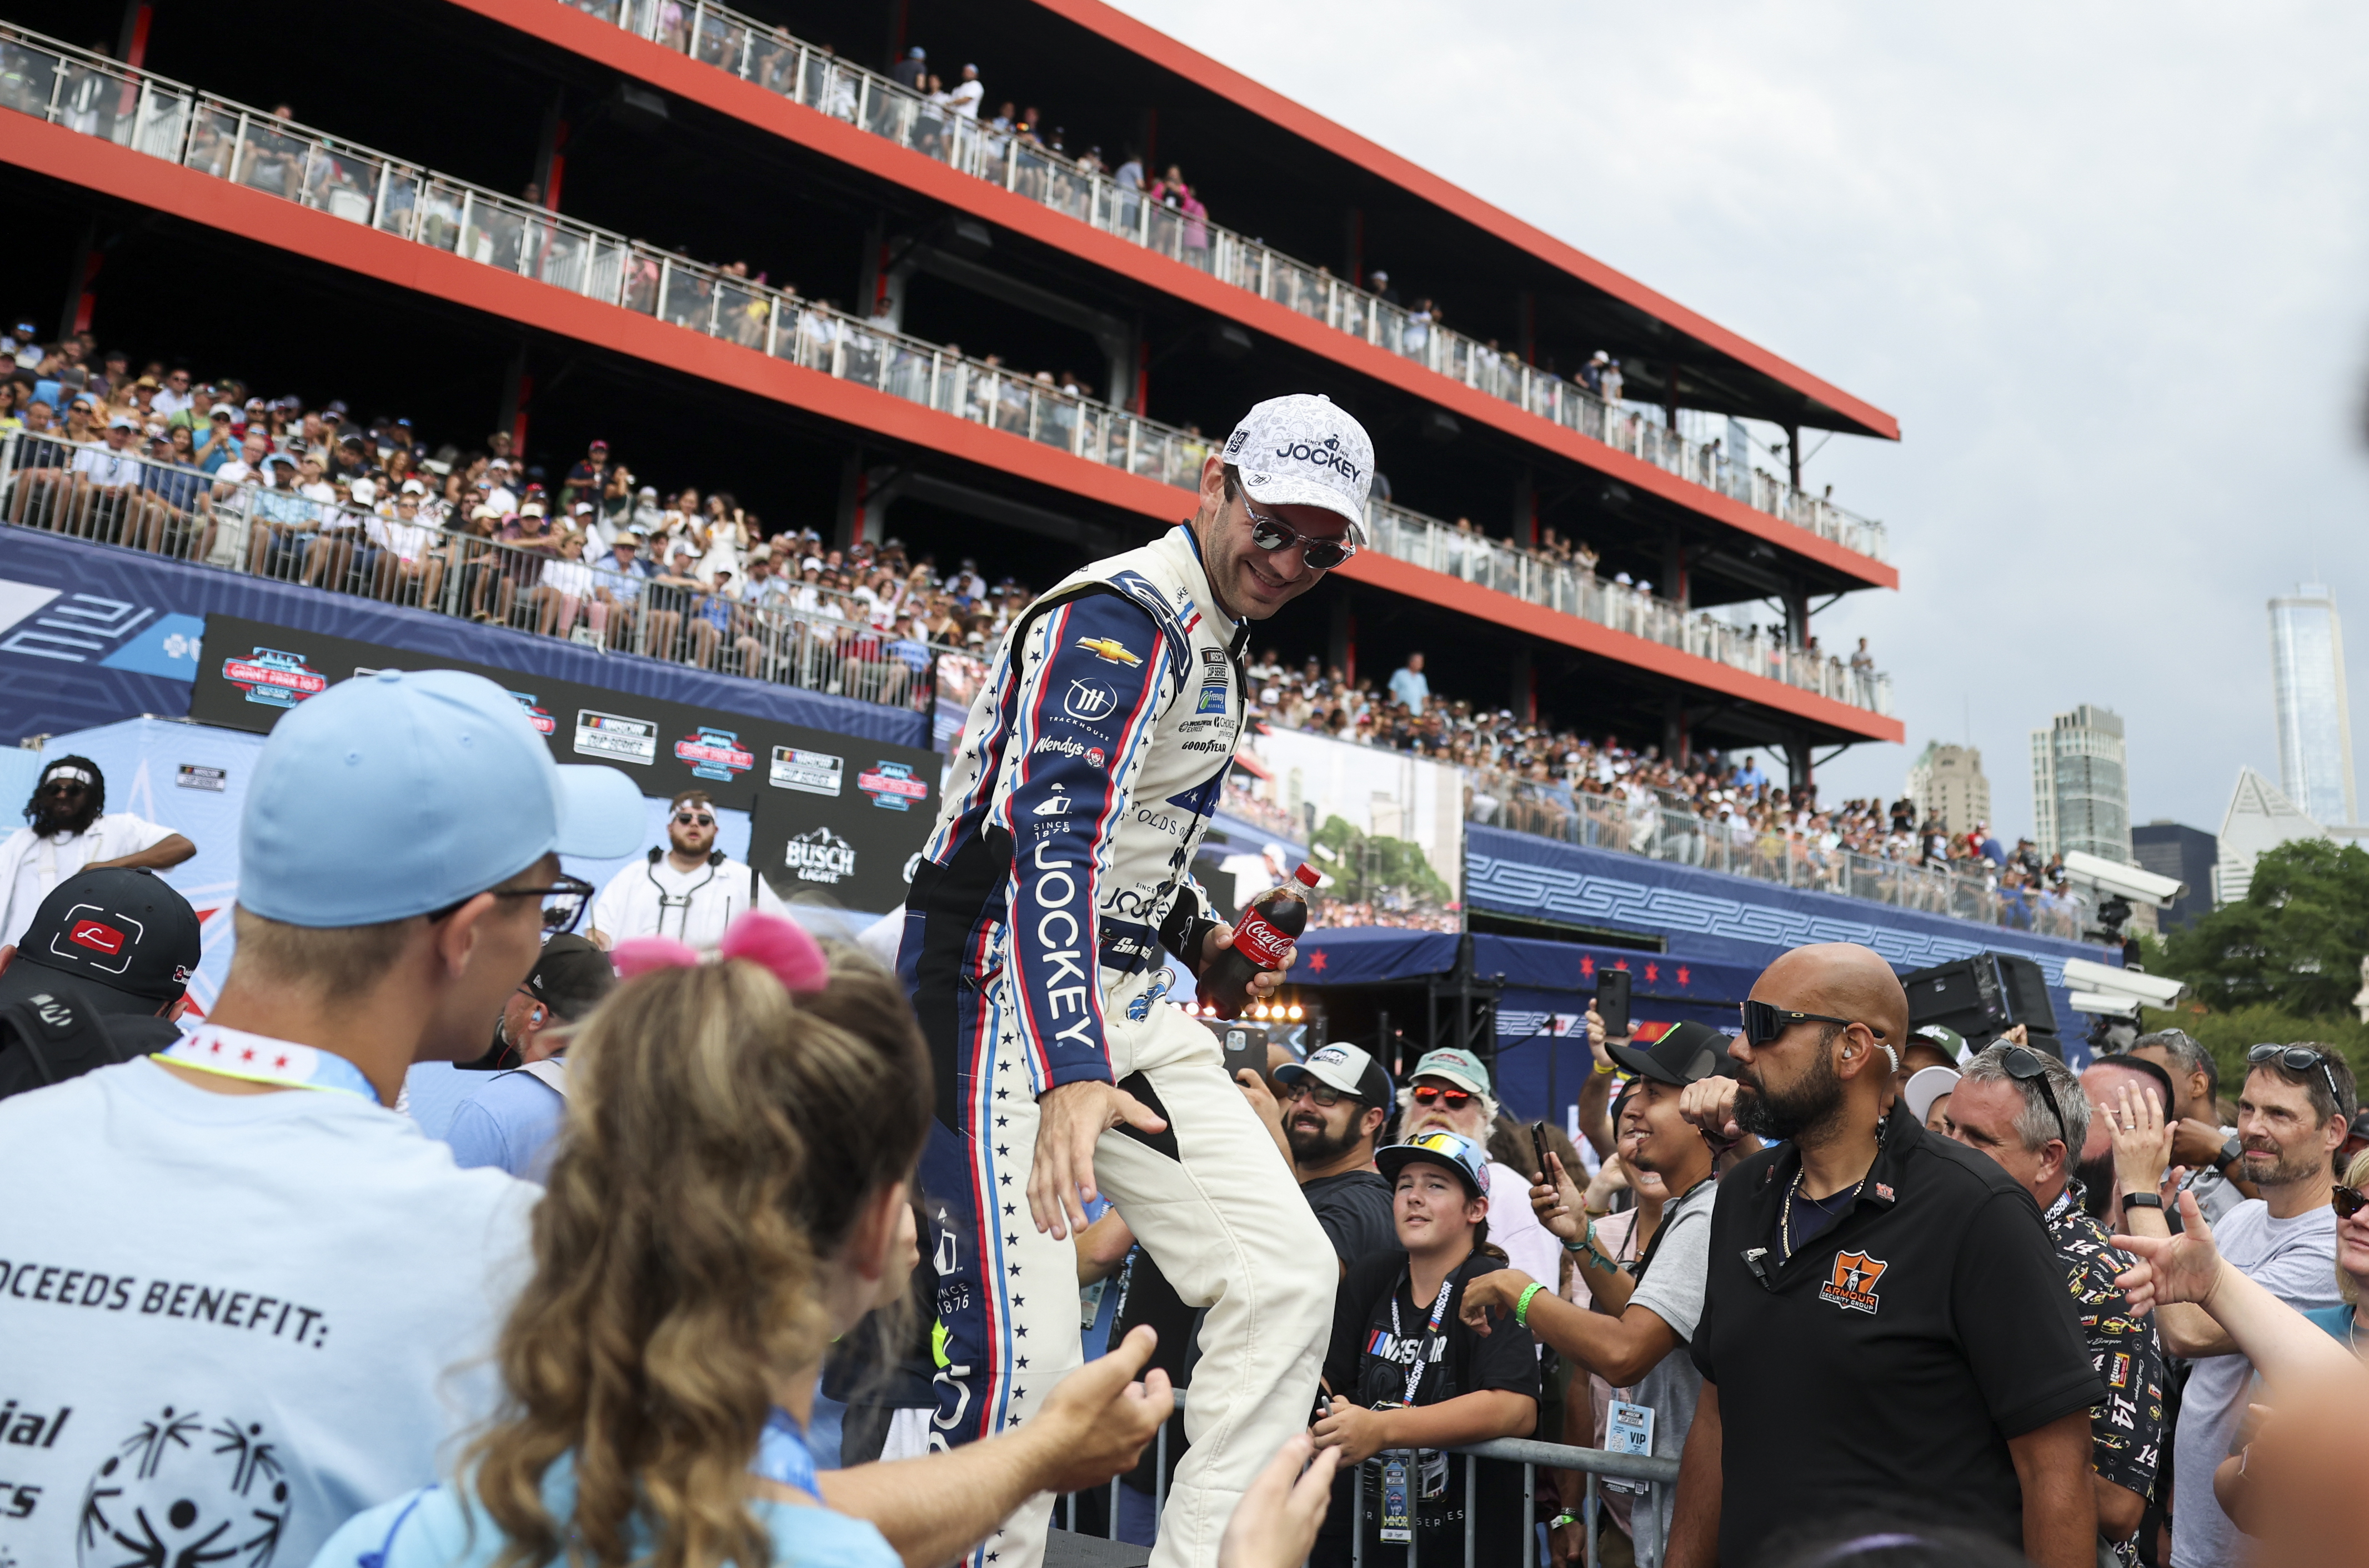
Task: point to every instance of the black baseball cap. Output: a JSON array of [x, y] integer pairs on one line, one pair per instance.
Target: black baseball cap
[[571, 976], [124, 939], [1686, 1053]]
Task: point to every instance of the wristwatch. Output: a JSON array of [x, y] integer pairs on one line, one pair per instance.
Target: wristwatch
[[2142, 1200], [2231, 1153]]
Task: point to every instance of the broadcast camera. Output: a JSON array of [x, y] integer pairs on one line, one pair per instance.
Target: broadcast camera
[[2119, 886]]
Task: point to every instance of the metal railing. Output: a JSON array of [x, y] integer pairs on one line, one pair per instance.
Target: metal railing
[[1574, 591], [1532, 1456], [769, 57], [1656, 829], [104, 496], [88, 93]]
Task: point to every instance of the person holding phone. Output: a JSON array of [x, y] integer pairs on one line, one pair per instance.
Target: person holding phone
[[1637, 1335]]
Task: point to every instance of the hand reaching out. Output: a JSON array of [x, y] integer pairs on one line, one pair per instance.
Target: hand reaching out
[[1275, 1523], [2173, 1269]]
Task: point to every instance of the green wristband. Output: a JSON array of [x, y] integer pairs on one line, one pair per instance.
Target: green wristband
[[1522, 1307]]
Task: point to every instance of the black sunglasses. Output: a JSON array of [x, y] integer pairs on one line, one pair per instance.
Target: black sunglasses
[[687, 819], [2027, 1066], [1764, 1022], [2296, 1059], [565, 902], [66, 787], [1272, 533], [2347, 1201]]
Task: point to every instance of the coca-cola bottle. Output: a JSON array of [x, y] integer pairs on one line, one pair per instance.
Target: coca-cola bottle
[[1261, 937]]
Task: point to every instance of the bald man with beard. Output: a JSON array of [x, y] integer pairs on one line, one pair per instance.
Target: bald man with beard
[[1885, 1328]]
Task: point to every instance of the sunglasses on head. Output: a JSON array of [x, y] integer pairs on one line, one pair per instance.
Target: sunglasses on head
[[2296, 1059], [2347, 1201], [1272, 533], [686, 818], [1431, 1095], [2027, 1066]]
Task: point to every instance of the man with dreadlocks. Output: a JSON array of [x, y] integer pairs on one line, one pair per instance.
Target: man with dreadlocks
[[69, 830]]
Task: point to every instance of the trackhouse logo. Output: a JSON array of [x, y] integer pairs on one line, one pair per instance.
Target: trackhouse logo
[[1089, 699], [1853, 1283]]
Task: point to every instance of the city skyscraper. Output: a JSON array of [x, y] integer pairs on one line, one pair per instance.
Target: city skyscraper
[[1947, 782], [2315, 719], [2080, 787]]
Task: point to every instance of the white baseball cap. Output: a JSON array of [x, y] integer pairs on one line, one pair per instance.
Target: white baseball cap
[[1302, 451]]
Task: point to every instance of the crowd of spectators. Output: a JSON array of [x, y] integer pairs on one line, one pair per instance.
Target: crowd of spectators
[[153, 457]]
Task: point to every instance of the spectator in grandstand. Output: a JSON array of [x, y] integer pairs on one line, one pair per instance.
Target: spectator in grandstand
[[565, 592], [621, 582], [1388, 1388], [738, 1174], [1408, 685], [410, 554], [909, 72], [2291, 1117], [371, 937], [1450, 1091], [1991, 1397], [2026, 1110]]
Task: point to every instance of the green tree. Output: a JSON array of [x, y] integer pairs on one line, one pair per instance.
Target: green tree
[[1390, 873], [2294, 945]]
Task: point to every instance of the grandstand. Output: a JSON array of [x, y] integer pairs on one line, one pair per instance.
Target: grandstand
[[734, 247]]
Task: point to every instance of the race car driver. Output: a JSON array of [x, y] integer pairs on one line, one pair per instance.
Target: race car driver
[[1059, 868]]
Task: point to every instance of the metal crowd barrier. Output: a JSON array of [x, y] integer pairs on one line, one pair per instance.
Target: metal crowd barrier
[[1595, 1463], [1658, 830], [769, 57], [104, 496], [90, 94]]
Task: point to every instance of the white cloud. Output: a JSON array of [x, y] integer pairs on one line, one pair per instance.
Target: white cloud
[[2106, 265]]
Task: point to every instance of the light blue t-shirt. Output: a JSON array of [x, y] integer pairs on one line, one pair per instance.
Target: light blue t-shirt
[[434, 1528], [507, 1124], [1410, 687]]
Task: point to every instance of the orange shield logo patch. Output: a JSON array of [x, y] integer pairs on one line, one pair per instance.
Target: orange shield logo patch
[[1853, 1283]]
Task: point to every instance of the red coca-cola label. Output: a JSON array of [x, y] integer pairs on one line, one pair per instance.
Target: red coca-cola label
[[1260, 942]]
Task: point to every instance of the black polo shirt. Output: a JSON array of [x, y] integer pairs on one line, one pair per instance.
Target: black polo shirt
[[1886, 1366]]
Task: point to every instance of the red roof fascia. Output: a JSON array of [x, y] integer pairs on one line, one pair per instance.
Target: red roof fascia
[[678, 73], [1521, 615], [1169, 55]]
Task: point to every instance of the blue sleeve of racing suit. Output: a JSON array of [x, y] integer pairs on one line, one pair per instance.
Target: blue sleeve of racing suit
[[1085, 711]]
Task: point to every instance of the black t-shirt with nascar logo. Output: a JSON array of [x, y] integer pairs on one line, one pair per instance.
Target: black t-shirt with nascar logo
[[1886, 1366], [1366, 1362]]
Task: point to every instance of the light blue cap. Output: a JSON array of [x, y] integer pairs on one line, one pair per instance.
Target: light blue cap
[[401, 792]]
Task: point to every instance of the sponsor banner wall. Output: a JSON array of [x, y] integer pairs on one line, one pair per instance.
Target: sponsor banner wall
[[90, 635], [829, 814], [1388, 829]]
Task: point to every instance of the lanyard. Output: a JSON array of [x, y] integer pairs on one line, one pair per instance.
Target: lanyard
[[260, 1059], [1438, 1310], [783, 1455]]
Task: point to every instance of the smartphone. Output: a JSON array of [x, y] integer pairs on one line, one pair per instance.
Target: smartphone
[[1244, 1047], [1538, 1144], [1612, 1001]]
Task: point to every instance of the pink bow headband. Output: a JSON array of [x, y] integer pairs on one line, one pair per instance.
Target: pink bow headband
[[781, 946]]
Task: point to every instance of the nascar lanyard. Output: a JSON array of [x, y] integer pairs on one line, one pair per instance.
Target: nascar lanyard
[[1438, 1310], [783, 1455], [260, 1059]]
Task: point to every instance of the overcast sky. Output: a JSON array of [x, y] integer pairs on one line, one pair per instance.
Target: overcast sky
[[2104, 263]]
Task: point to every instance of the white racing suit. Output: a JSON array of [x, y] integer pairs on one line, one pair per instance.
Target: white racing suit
[[1092, 760]]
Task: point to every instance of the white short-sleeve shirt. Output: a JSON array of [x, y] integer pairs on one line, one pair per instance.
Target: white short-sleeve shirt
[[31, 867]]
